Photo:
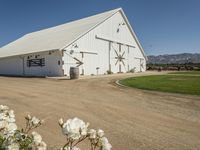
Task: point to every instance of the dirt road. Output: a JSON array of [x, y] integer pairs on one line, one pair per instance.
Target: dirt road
[[132, 119]]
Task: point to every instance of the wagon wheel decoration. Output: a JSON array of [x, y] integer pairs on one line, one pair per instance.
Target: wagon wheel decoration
[[119, 58]]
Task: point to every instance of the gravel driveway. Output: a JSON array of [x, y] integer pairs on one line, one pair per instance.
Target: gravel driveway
[[132, 119]]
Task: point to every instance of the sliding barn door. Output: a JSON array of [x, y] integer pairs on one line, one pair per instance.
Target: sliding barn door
[[118, 58]]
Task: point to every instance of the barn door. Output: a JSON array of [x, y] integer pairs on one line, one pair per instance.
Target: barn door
[[118, 58], [140, 64]]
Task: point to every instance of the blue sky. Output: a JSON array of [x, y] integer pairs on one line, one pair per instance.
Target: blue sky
[[162, 26]]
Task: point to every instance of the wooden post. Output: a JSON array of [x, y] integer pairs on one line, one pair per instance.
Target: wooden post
[[120, 68], [128, 58], [82, 55], [23, 67], [109, 56]]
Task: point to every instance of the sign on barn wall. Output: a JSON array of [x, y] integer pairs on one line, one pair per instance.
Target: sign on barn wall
[[36, 62]]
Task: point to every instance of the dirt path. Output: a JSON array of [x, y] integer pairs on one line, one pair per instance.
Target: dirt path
[[132, 119]]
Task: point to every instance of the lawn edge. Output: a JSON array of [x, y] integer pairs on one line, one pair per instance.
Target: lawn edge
[[117, 82]]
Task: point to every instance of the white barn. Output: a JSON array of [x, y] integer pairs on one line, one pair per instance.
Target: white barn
[[98, 44]]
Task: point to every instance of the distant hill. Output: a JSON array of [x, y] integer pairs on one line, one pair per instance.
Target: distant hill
[[174, 58]]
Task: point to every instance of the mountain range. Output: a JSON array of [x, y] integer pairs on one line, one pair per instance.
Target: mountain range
[[174, 58]]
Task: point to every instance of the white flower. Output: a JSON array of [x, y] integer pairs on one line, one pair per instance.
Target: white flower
[[3, 124], [105, 144], [10, 117], [3, 108], [10, 129], [28, 117], [100, 133], [61, 122], [68, 148], [76, 148], [35, 121], [3, 116], [42, 146], [36, 138], [74, 128], [7, 121], [38, 143], [10, 120], [92, 133], [84, 129], [13, 146], [11, 114]]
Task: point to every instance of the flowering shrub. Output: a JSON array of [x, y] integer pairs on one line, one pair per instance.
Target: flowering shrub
[[12, 138], [77, 131]]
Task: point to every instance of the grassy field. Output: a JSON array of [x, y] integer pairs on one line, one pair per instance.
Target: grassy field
[[176, 82], [187, 72]]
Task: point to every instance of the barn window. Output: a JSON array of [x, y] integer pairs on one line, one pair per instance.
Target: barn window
[[36, 62]]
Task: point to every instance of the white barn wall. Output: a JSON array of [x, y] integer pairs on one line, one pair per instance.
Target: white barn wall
[[51, 67], [14, 65], [11, 66], [88, 42]]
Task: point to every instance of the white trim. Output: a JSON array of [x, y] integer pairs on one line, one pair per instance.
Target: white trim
[[87, 52], [77, 50], [114, 41]]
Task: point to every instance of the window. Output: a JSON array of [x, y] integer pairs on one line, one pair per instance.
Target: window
[[36, 62], [59, 62]]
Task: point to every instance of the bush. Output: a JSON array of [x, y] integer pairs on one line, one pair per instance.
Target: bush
[[132, 70], [75, 130], [12, 138], [109, 72]]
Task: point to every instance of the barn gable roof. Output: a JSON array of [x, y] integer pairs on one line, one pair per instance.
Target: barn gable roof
[[58, 37]]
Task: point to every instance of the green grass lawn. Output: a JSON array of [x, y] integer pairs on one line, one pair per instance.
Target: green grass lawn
[[178, 83], [186, 72]]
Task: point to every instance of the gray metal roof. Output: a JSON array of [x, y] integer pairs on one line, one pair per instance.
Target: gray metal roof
[[58, 37], [54, 37]]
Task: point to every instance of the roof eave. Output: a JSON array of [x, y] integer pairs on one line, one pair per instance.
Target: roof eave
[[28, 53]]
